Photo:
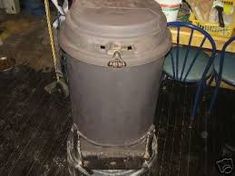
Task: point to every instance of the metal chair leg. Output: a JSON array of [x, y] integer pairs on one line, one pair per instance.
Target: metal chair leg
[[211, 79], [196, 103], [213, 99]]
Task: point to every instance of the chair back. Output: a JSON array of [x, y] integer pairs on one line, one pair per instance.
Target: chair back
[[193, 39], [222, 56]]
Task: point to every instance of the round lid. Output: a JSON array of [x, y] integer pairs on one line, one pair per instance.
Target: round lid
[[118, 27], [115, 22]]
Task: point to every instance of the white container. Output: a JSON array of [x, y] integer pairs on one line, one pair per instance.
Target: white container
[[170, 8]]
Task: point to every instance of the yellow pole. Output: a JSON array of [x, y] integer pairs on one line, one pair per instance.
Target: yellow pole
[[52, 41]]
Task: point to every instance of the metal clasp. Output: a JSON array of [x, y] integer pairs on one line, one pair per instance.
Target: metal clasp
[[117, 61]]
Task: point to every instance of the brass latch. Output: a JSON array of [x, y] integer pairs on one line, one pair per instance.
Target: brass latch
[[117, 61]]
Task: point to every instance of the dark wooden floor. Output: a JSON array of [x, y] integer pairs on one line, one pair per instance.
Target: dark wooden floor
[[186, 151], [34, 127]]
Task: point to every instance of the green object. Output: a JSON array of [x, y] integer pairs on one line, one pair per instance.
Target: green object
[[198, 67], [228, 73], [184, 12]]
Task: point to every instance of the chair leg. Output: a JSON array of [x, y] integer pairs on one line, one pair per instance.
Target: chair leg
[[211, 79], [214, 96], [197, 99]]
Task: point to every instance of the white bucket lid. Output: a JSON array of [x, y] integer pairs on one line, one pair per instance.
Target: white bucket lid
[[170, 2]]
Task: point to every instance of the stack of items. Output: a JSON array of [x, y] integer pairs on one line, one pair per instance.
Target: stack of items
[[170, 8], [215, 16]]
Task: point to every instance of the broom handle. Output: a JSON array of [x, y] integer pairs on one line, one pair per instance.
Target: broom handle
[[52, 41]]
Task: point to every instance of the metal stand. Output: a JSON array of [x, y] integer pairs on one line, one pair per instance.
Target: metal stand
[[78, 163]]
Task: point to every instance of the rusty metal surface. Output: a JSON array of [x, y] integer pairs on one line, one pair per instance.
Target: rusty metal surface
[[89, 159]]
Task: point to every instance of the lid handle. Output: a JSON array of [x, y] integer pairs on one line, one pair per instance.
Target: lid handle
[[117, 61]]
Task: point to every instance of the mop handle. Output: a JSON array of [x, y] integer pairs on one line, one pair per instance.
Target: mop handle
[[52, 41]]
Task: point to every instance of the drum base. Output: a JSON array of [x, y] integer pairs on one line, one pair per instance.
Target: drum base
[[85, 158]]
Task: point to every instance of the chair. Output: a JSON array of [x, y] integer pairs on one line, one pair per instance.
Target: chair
[[223, 70], [187, 63]]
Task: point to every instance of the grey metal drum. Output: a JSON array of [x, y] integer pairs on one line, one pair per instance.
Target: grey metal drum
[[114, 106], [115, 58]]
